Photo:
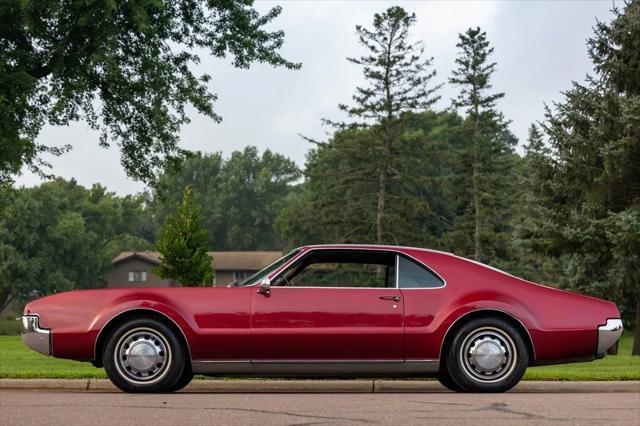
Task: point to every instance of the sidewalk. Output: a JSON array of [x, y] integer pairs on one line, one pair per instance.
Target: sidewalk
[[319, 386]]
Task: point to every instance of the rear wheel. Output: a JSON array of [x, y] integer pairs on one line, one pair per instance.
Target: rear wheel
[[144, 355], [185, 379], [487, 355]]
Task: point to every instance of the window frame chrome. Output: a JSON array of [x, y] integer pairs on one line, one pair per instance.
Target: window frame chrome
[[303, 252]]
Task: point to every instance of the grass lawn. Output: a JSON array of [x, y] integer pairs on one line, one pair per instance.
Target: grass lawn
[[612, 367], [17, 361]]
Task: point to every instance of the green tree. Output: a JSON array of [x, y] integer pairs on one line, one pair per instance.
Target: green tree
[[126, 67], [486, 161], [61, 236], [397, 77], [593, 206], [241, 196], [183, 246], [338, 200], [530, 258]]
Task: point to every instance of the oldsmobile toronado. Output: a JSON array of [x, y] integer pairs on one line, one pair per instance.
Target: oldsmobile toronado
[[330, 310]]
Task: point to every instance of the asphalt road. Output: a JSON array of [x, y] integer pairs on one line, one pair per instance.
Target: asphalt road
[[21, 407]]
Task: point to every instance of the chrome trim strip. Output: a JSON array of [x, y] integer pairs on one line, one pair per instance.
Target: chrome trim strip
[[34, 336], [429, 268], [319, 368], [397, 271], [95, 344], [490, 310], [336, 288], [608, 335], [277, 272], [328, 361], [299, 251]]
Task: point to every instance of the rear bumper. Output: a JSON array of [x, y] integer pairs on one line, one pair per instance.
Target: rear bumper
[[35, 337], [608, 335]]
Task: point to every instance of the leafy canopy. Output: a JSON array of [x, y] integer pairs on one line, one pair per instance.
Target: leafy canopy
[[124, 66], [240, 196], [61, 236]]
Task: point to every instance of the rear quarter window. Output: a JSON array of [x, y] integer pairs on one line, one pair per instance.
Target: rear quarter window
[[414, 275]]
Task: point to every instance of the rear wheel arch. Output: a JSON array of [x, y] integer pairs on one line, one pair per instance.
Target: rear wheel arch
[[486, 313], [113, 323]]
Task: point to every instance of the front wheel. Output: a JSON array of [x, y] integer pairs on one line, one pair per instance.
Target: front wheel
[[447, 381], [144, 355], [487, 355]]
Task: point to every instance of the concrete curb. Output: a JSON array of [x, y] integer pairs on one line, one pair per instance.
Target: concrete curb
[[319, 386]]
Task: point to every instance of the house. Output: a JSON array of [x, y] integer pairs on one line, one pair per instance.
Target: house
[[135, 268]]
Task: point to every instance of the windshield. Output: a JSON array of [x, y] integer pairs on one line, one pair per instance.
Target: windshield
[[258, 276]]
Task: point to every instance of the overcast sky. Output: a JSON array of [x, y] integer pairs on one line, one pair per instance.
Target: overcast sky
[[539, 48]]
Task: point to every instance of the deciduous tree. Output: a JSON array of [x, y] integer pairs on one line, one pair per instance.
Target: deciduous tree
[[124, 66], [61, 236], [241, 196]]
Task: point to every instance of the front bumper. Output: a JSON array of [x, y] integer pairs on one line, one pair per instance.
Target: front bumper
[[608, 335], [36, 338]]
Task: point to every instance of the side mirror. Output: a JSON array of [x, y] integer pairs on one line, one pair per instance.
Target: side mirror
[[265, 287]]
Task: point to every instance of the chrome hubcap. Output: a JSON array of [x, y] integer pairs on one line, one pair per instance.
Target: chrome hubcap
[[488, 355], [142, 355]]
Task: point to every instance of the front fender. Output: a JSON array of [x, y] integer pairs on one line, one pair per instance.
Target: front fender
[[76, 318], [112, 315]]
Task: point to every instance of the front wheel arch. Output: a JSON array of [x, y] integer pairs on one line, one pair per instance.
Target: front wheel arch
[[125, 316], [485, 313]]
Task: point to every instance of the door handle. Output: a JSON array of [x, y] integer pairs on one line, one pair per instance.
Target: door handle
[[394, 298]]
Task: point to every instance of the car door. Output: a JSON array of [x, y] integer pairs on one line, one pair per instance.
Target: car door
[[331, 305]]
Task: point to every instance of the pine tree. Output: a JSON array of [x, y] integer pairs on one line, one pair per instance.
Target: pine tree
[[486, 160], [398, 78], [531, 258], [183, 246], [594, 202], [337, 202]]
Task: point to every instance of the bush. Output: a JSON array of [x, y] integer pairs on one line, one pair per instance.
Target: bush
[[9, 326]]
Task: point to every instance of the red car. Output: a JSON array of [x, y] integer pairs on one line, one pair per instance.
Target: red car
[[332, 310]]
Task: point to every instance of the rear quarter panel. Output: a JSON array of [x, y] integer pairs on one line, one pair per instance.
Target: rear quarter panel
[[562, 325]]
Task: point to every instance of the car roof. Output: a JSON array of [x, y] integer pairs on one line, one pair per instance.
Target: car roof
[[370, 246], [402, 249]]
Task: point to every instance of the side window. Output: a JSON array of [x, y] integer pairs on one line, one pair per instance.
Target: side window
[[342, 268], [413, 275]]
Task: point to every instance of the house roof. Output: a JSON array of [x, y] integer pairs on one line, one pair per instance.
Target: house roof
[[222, 260]]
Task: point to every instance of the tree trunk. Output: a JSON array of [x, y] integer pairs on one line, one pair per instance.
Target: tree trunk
[[386, 152], [636, 332], [5, 299], [382, 195], [478, 219], [477, 234]]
